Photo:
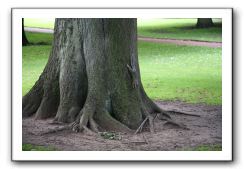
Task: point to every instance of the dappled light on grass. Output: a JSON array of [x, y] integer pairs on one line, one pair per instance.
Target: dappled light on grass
[[33, 62], [39, 38], [187, 73], [169, 72]]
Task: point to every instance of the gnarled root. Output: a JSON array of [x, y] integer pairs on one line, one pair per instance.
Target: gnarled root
[[32, 99], [84, 118], [97, 121]]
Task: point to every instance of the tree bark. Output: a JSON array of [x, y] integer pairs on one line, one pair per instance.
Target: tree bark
[[92, 78], [24, 38], [204, 22]]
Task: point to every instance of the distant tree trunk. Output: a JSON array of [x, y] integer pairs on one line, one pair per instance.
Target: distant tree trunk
[[92, 77], [24, 39], [204, 22]]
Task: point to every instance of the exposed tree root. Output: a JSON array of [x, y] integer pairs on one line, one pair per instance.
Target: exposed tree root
[[55, 122], [151, 125], [93, 125], [145, 138], [142, 124], [177, 124], [107, 122], [47, 108], [59, 129], [29, 109], [167, 112], [181, 113], [32, 100], [95, 121]]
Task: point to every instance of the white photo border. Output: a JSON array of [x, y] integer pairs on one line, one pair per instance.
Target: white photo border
[[227, 148]]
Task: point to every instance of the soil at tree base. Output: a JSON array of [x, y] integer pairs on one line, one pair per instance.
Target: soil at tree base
[[206, 129]]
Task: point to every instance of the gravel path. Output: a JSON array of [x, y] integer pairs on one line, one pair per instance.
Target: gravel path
[[182, 42]]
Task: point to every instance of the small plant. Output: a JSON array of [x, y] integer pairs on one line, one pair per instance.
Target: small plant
[[110, 135]]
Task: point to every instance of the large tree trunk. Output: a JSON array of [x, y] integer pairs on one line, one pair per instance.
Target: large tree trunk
[[24, 38], [92, 78], [204, 22]]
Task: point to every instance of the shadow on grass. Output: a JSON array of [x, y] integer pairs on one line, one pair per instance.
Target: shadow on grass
[[38, 43], [190, 27]]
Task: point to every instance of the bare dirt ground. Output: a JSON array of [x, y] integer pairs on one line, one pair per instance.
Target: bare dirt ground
[[206, 129]]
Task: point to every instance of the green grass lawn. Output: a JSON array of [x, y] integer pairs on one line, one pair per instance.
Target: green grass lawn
[[187, 73], [157, 28], [169, 72], [33, 63], [30, 147], [179, 29], [39, 38], [210, 147]]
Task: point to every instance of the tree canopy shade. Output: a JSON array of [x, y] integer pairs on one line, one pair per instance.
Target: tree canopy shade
[[204, 22], [92, 78], [24, 38]]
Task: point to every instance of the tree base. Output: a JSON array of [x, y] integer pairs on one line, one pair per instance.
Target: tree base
[[92, 79]]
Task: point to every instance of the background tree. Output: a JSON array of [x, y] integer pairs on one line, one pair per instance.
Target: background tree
[[24, 38], [92, 78], [204, 22]]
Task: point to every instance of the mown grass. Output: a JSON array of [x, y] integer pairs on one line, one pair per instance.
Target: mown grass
[[31, 147], [179, 29], [157, 28], [39, 38], [33, 62], [187, 73], [169, 72]]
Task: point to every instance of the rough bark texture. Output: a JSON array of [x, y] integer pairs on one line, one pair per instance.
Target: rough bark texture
[[204, 22], [24, 39], [92, 78]]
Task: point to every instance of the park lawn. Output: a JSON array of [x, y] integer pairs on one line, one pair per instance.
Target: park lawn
[[157, 28], [186, 73], [169, 72], [207, 147], [30, 147], [179, 29], [39, 38], [34, 59]]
